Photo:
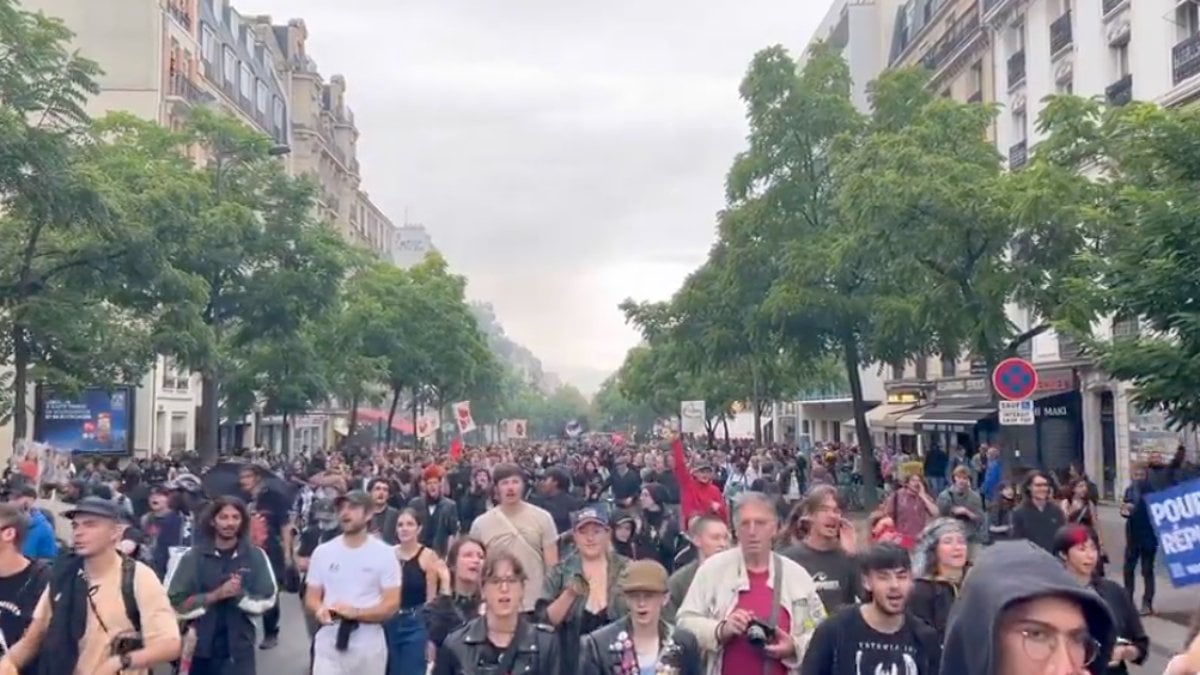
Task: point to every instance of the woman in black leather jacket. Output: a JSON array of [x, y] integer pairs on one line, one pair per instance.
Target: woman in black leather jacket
[[501, 641]]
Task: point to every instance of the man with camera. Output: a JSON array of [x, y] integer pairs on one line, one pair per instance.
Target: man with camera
[[102, 613], [752, 610]]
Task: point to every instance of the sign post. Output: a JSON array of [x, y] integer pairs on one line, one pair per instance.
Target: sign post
[[1016, 413], [1015, 380]]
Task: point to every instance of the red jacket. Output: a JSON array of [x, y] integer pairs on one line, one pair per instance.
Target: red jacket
[[695, 498]]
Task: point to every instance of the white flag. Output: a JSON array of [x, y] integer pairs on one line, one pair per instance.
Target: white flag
[[462, 416], [426, 426], [515, 429], [692, 416]]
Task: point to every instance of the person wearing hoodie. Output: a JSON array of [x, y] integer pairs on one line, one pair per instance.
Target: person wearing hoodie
[[39, 543], [1040, 619], [659, 532], [1078, 547]]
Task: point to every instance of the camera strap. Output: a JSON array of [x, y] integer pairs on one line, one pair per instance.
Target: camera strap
[[776, 597]]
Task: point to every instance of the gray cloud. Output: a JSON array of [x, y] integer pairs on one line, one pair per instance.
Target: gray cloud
[[562, 154]]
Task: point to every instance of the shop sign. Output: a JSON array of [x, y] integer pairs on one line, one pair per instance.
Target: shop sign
[[905, 397], [962, 387], [945, 428], [1053, 381], [1052, 411]]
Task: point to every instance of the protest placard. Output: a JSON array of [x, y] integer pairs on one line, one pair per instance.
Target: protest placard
[[1176, 517]]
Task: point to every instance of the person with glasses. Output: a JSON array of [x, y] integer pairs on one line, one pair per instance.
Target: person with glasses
[[1078, 548], [1040, 619], [503, 640], [1039, 516]]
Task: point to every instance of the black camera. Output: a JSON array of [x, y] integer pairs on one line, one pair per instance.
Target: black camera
[[759, 634], [127, 643]]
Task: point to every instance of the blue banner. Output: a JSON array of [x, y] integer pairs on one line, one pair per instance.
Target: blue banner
[[1176, 517], [96, 421]]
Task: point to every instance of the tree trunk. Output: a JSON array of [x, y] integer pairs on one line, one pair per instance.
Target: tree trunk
[[710, 430], [353, 417], [725, 423], [209, 424], [866, 449], [20, 384], [416, 412], [754, 402], [391, 416], [287, 435]]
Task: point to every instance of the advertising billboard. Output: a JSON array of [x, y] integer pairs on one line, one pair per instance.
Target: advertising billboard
[[95, 421]]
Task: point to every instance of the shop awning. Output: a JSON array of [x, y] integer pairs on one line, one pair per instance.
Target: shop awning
[[888, 416], [953, 420]]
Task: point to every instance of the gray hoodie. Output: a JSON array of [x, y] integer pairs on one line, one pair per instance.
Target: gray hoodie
[[1005, 574]]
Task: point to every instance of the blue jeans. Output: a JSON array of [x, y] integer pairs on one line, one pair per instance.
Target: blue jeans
[[406, 638]]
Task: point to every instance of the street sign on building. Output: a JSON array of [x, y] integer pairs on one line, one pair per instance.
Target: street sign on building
[[1016, 413], [1015, 379]]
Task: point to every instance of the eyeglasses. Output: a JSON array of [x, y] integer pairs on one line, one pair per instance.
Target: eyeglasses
[[1041, 643], [500, 582]]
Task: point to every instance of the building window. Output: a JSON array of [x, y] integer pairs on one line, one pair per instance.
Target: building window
[[897, 371], [263, 97], [174, 378], [1016, 37], [247, 83], [231, 66], [1019, 123], [179, 425], [976, 77], [1124, 327], [949, 366], [208, 44], [235, 26], [1065, 87], [217, 7], [1187, 19], [278, 112], [1120, 56]]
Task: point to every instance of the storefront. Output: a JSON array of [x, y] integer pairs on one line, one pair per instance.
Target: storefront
[[1055, 440], [892, 423], [962, 415]]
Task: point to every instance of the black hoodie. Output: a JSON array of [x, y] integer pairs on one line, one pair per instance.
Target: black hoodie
[[1007, 573]]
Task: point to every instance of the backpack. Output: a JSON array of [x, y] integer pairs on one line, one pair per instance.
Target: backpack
[[128, 594]]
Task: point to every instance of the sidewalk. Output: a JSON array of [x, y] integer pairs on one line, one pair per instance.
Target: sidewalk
[[1173, 607]]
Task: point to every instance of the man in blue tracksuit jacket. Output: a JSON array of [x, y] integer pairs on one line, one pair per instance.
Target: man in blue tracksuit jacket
[[40, 543]]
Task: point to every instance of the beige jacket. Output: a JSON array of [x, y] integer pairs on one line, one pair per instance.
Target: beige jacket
[[714, 595]]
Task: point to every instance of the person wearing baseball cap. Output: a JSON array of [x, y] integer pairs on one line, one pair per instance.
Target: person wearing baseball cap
[[642, 636]]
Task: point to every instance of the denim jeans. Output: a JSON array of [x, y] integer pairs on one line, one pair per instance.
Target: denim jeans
[[406, 644]]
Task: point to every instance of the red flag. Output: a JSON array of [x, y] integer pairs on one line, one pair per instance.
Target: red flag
[[456, 448]]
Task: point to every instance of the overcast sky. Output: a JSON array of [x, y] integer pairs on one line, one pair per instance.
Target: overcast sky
[[563, 155]]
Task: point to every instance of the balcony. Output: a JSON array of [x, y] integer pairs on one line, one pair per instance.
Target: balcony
[[1016, 69], [1120, 92], [1110, 6], [181, 15], [1060, 33], [959, 34], [1185, 58], [824, 394], [1018, 155], [179, 85]]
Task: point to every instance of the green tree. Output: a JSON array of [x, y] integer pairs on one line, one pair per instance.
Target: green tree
[[1138, 206], [833, 287], [612, 410], [564, 404]]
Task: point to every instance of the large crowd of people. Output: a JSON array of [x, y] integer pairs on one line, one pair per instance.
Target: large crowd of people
[[567, 557]]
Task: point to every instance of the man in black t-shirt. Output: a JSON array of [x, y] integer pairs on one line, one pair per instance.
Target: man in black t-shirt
[[21, 581], [322, 526], [876, 636]]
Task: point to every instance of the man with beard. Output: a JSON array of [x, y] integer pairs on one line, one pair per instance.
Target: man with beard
[[221, 583], [476, 501], [876, 636], [382, 522], [353, 587], [436, 514]]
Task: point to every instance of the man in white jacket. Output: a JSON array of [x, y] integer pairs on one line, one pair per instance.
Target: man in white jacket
[[752, 610]]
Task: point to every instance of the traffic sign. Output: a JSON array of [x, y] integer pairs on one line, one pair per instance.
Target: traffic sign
[[1016, 413], [1015, 379]]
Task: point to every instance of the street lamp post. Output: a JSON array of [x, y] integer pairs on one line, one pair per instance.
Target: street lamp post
[[210, 401]]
